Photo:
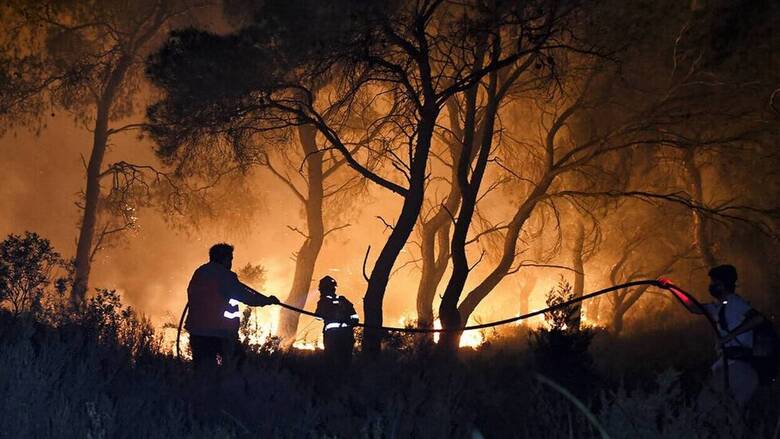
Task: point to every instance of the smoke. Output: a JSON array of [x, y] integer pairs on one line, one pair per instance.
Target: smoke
[[42, 175], [151, 266]]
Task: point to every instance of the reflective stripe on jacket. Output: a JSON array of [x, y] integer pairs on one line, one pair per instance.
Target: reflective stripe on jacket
[[337, 312]]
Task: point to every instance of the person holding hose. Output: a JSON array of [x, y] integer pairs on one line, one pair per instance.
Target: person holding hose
[[214, 293], [736, 322]]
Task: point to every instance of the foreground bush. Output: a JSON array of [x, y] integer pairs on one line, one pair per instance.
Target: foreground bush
[[102, 375]]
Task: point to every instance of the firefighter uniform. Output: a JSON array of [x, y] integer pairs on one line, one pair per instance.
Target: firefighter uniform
[[339, 318], [214, 293]]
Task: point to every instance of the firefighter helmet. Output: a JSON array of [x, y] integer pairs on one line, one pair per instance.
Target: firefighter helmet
[[327, 285]]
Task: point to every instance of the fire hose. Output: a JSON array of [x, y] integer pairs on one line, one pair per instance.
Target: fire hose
[[685, 298]]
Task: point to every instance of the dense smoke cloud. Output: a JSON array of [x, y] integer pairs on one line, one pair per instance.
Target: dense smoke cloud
[[43, 175]]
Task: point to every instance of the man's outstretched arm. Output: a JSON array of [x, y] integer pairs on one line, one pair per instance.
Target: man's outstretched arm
[[245, 294], [666, 283], [255, 298]]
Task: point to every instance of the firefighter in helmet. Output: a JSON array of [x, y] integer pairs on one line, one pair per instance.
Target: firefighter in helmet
[[339, 318], [214, 293]]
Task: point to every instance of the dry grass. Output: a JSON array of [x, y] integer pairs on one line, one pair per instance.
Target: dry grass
[[105, 376]]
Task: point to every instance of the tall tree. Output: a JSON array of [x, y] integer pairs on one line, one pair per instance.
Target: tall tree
[[322, 183], [84, 57], [621, 116], [411, 57]]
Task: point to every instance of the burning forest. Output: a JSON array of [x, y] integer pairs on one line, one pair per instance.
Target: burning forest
[[389, 219]]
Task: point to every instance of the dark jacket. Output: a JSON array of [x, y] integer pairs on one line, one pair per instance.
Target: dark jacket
[[337, 312], [214, 293]]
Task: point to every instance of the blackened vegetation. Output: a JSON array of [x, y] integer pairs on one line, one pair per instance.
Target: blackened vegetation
[[80, 378], [561, 349], [102, 371], [28, 266]]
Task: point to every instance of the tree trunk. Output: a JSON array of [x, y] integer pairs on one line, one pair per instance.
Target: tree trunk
[[306, 258], [617, 320], [593, 310], [83, 261], [469, 189], [625, 299], [435, 256], [410, 211], [525, 290], [579, 274], [701, 223], [527, 284], [523, 213], [435, 242]]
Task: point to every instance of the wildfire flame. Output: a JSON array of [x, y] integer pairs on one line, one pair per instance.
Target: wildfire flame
[[306, 345], [469, 339], [263, 325]]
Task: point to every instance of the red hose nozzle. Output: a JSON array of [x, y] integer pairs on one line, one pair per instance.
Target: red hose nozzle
[[665, 282]]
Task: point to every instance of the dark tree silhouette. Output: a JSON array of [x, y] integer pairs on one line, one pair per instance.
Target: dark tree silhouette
[[27, 267], [407, 66], [83, 57], [416, 56], [189, 68], [648, 247], [633, 108]]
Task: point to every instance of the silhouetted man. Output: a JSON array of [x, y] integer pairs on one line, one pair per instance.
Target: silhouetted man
[[214, 293], [339, 318], [736, 321]]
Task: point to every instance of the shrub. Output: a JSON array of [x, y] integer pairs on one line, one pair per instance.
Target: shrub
[[27, 266], [561, 350], [115, 325], [100, 372]]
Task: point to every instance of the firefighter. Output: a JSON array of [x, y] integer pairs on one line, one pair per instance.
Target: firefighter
[[214, 293], [339, 318], [736, 321]]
